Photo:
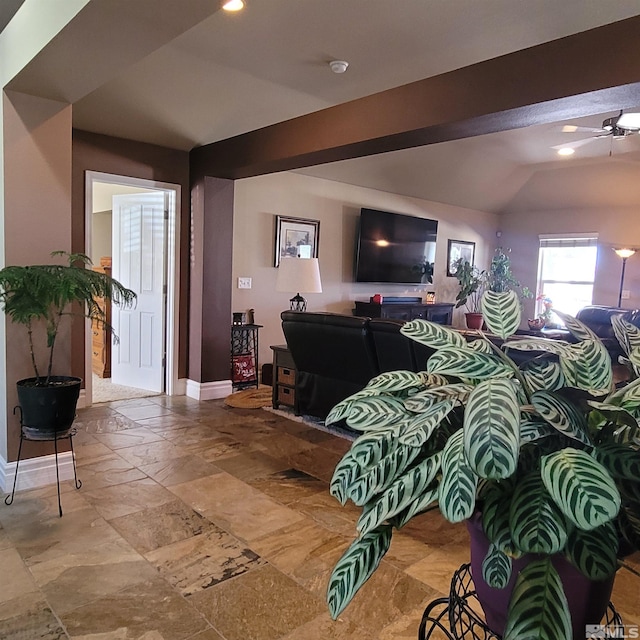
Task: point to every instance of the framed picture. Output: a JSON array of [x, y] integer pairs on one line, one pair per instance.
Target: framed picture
[[459, 249], [296, 237]]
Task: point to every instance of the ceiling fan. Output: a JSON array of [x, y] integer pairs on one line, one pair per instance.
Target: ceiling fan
[[618, 127]]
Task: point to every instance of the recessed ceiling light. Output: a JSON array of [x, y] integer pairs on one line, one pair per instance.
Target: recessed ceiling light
[[566, 151], [233, 5]]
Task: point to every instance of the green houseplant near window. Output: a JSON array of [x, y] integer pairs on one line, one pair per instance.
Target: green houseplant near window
[[48, 294], [546, 454], [472, 282]]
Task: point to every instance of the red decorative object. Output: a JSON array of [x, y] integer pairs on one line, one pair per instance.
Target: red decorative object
[[243, 368]]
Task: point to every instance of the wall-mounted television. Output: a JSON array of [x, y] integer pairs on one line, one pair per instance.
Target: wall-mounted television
[[394, 248]]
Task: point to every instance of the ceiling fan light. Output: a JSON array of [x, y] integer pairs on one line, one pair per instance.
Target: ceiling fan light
[[566, 151], [629, 121]]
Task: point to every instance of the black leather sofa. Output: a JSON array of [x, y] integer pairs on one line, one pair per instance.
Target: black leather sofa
[[336, 355], [598, 319]]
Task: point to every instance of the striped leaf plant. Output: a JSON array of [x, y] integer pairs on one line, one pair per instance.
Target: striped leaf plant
[[547, 451]]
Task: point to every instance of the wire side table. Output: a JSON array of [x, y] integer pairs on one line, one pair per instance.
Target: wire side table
[[457, 616], [28, 434]]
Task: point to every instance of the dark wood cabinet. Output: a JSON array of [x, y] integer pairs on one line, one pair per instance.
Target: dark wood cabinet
[[440, 312], [284, 378]]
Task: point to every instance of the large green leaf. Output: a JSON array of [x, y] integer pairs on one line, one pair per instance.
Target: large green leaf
[[346, 471], [420, 504], [375, 412], [371, 447], [482, 346], [492, 429], [395, 381], [581, 487], [379, 476], [537, 524], [457, 491], [419, 428], [501, 312], [355, 567], [629, 523], [342, 409], [406, 489], [594, 552], [538, 609], [578, 329], [543, 375], [619, 461], [420, 401], [627, 334], [468, 364], [495, 516], [433, 335], [590, 369], [561, 415], [496, 568], [532, 430], [557, 347]]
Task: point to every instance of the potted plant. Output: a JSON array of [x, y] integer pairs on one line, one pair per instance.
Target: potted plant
[[471, 281], [541, 459], [500, 277], [47, 294]]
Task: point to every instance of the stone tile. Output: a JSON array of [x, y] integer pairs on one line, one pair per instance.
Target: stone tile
[[329, 513], [249, 466], [144, 609], [216, 449], [161, 526], [280, 445], [122, 499], [107, 472], [151, 452], [207, 634], [437, 568], [5, 543], [91, 452], [110, 422], [29, 618], [263, 604], [289, 485], [142, 412], [166, 423], [405, 550], [318, 462], [17, 579], [626, 596], [432, 529], [203, 561], [324, 628], [178, 470], [79, 585], [128, 438], [236, 507], [305, 551], [386, 597]]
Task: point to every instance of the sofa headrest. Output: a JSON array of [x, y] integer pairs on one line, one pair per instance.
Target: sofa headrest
[[598, 318], [326, 318]]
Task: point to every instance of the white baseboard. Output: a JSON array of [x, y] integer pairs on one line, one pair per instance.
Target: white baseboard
[[209, 390], [82, 399], [35, 472], [180, 387]]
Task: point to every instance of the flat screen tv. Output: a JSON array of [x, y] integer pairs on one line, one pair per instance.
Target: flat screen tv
[[395, 248]]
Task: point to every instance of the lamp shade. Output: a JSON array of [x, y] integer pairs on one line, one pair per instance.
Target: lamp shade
[[624, 253], [299, 275]]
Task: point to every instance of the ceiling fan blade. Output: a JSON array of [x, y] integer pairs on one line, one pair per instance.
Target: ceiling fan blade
[[572, 128], [576, 143]]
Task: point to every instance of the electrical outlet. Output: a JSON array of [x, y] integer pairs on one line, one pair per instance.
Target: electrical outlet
[[626, 294], [244, 283]]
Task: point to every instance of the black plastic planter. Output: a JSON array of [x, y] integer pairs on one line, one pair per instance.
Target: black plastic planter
[[48, 411]]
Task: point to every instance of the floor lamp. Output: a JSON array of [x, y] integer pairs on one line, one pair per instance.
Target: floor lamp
[[625, 254], [301, 275]]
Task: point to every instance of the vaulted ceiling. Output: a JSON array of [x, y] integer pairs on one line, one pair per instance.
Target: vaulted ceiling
[[234, 73]]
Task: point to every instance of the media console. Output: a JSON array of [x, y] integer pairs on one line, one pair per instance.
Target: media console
[[406, 309]]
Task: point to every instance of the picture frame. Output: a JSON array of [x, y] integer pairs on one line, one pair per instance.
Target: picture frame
[[296, 236], [457, 249]]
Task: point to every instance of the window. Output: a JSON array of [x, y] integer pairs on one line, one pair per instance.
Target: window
[[566, 272]]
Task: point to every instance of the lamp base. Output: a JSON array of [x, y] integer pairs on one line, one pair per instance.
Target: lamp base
[[298, 303]]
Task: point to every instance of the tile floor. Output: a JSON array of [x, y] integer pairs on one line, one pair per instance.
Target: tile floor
[[196, 521]]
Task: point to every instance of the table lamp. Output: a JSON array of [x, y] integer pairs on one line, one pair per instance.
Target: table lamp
[[301, 275]]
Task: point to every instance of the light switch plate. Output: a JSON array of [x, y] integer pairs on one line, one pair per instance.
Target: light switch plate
[[244, 283], [626, 294]]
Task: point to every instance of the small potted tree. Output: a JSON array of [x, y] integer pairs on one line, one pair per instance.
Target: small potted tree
[[471, 281], [48, 294]]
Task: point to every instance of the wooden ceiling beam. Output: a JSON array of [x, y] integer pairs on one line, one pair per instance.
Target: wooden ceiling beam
[[590, 72]]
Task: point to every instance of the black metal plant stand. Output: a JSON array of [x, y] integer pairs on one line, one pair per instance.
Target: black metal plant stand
[[29, 434], [457, 616]]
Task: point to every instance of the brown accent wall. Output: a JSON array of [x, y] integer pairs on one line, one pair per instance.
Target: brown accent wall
[[211, 283], [94, 152]]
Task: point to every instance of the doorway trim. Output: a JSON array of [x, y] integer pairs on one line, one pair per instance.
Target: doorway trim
[[171, 382]]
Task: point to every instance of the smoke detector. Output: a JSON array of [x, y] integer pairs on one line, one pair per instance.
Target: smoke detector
[[338, 66]]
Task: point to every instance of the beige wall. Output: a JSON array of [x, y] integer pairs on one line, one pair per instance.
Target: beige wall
[[336, 206], [615, 227]]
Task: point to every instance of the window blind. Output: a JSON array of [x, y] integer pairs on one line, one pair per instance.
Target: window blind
[[564, 242]]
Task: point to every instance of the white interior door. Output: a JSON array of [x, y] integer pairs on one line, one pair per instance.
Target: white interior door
[[138, 262]]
